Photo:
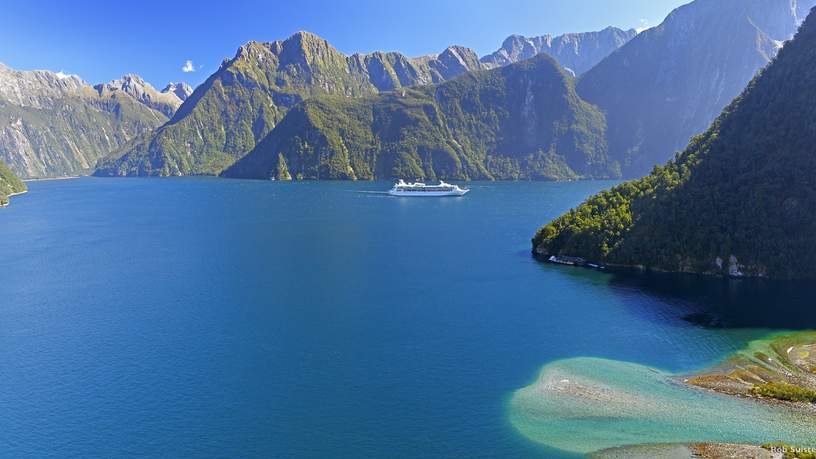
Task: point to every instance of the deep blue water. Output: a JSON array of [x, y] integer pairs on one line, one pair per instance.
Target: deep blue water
[[207, 317]]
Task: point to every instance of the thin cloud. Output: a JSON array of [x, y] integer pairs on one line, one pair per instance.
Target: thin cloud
[[188, 67], [644, 24]]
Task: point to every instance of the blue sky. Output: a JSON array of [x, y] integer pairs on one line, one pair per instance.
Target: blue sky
[[102, 40]]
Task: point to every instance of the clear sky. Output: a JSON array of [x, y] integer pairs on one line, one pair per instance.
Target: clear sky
[[102, 40]]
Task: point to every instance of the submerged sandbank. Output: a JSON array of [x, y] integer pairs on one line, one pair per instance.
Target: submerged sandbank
[[589, 404]]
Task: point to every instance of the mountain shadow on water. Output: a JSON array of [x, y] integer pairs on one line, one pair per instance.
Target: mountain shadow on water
[[727, 303]]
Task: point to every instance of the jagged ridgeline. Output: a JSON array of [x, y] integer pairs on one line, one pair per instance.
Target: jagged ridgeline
[[523, 121], [56, 124], [577, 52], [9, 184], [741, 199], [240, 103]]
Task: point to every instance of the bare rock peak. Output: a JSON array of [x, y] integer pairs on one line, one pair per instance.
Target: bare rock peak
[[180, 89]]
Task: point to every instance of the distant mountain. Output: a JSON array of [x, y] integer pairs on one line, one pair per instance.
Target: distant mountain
[[522, 121], [389, 71], [740, 200], [9, 184], [166, 102], [669, 82], [181, 90], [577, 52], [241, 102], [55, 124]]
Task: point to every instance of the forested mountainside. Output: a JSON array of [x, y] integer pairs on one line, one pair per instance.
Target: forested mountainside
[[740, 200], [522, 121]]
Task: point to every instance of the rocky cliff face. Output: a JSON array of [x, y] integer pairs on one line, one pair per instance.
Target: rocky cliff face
[[669, 82], [166, 102], [577, 52], [54, 124], [181, 90]]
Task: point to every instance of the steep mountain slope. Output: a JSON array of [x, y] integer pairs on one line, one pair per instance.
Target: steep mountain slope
[[9, 184], [239, 104], [669, 82], [740, 200], [578, 52], [55, 124], [165, 102], [523, 121]]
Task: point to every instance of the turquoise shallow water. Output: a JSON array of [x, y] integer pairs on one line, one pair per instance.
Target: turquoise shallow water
[[206, 317], [587, 404]]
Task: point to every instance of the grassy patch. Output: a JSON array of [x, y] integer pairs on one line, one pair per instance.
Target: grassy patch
[[784, 391]]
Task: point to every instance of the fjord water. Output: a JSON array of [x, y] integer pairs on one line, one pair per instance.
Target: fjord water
[[207, 317]]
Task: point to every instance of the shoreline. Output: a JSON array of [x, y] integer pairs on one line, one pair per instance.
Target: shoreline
[[642, 269], [45, 179], [9, 196]]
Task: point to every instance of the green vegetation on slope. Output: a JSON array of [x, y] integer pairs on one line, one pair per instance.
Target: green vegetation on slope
[[779, 366], [784, 391], [9, 184], [239, 104], [523, 121], [740, 200]]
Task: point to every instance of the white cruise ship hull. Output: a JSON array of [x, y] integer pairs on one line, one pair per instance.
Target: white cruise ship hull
[[428, 193]]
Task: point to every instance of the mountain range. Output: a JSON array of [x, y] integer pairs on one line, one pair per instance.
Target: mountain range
[[241, 102], [738, 201], [654, 89], [249, 94], [54, 124], [521, 121], [167, 101], [576, 52]]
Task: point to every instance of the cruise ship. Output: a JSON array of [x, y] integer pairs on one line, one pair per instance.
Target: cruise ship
[[421, 189]]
